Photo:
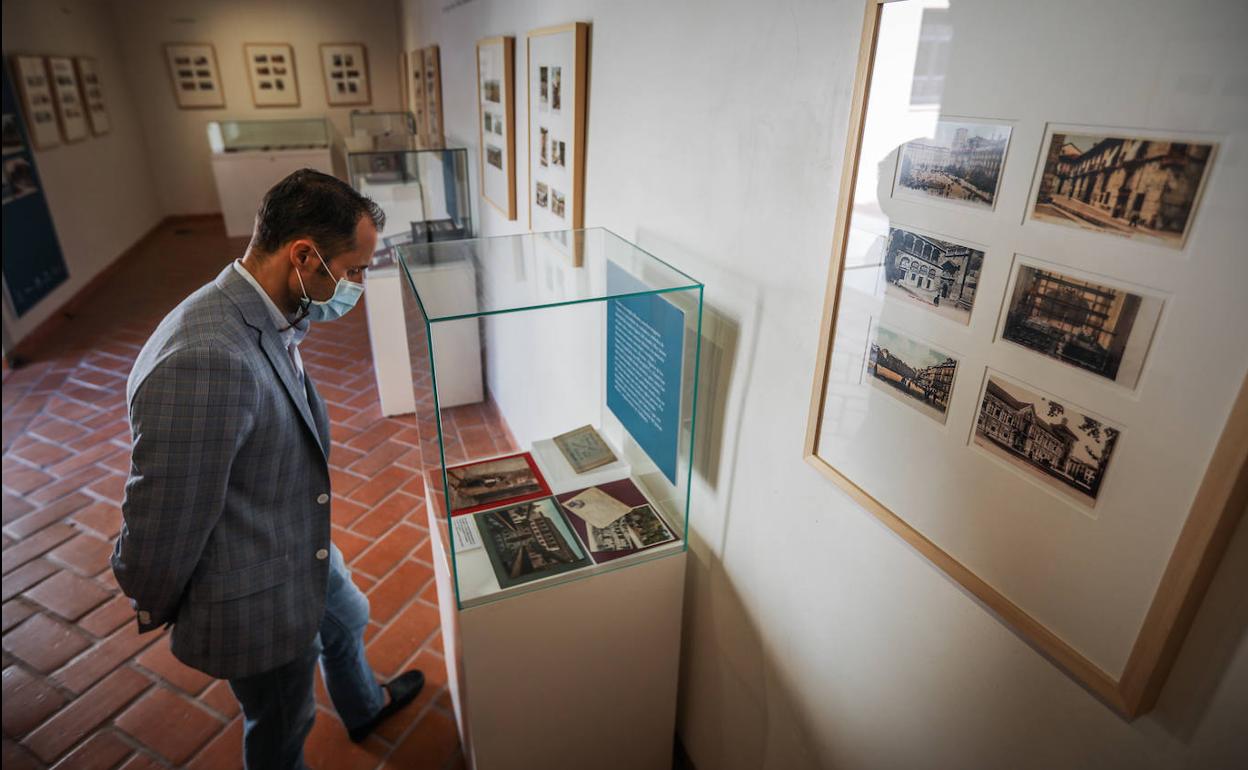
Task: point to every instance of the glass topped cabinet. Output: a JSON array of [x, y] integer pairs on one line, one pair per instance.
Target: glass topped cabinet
[[270, 135], [369, 123]]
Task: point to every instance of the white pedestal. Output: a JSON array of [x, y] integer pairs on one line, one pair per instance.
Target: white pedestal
[[577, 675], [244, 177]]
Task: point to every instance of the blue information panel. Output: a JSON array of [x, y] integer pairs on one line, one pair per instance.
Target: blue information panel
[[645, 347], [33, 264]]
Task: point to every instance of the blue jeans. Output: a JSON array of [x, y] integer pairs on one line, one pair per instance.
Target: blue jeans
[[279, 706]]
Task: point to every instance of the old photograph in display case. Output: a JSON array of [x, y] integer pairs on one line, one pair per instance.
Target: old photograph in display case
[[345, 68], [68, 99], [35, 90], [1061, 369], [194, 74], [271, 71], [93, 94], [496, 104]]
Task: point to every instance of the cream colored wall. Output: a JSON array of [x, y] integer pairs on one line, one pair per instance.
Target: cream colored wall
[[177, 141], [814, 638], [100, 191]]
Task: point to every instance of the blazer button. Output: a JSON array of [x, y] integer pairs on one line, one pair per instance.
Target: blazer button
[[322, 498], [322, 554]]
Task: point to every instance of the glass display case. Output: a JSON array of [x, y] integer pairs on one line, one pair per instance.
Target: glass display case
[[554, 377], [269, 135], [371, 123], [424, 192]]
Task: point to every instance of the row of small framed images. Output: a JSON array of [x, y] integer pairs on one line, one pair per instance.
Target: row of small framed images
[[272, 74], [62, 98], [1139, 185], [424, 69]]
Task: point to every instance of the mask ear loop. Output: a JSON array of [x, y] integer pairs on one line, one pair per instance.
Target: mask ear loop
[[305, 303]]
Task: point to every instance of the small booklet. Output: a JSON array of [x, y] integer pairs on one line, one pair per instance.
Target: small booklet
[[584, 449]]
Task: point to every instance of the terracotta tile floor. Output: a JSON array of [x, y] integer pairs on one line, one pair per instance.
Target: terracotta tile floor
[[81, 687]]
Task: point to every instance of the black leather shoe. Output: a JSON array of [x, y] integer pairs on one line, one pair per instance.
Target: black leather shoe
[[403, 690]]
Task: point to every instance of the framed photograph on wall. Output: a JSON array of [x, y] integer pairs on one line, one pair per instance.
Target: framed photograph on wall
[[35, 90], [1087, 456], [93, 95], [416, 90], [271, 71], [345, 67], [68, 99], [496, 106], [194, 74], [557, 89], [433, 96]]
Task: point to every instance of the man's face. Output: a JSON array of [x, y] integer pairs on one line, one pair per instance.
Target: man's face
[[350, 265]]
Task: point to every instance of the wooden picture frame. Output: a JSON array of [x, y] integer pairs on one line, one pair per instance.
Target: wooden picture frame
[[344, 67], [67, 96], [272, 74], [34, 88], [1209, 516], [433, 96], [194, 76], [557, 125], [496, 122], [416, 91], [93, 95]]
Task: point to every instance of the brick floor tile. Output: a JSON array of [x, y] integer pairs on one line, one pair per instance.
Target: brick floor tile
[[14, 507], [338, 413], [341, 434], [115, 431], [86, 713], [415, 486], [143, 761], [224, 752], [343, 482], [379, 486], [388, 551], [41, 453], [344, 511], [119, 462], [28, 700], [362, 581], [434, 670], [56, 430], [380, 457], [402, 638], [432, 743], [68, 595], [111, 487], [366, 417], [25, 576], [385, 515], [159, 660], [397, 589], [407, 435], [27, 406], [220, 698], [101, 752], [374, 434], [106, 656], [16, 611], [36, 545], [169, 724], [74, 411], [102, 518], [105, 380], [349, 543], [44, 643], [341, 457], [81, 460], [108, 617], [411, 459], [50, 513], [23, 480], [328, 747], [85, 554], [17, 757]]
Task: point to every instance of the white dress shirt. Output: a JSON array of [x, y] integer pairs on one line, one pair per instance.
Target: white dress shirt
[[291, 336]]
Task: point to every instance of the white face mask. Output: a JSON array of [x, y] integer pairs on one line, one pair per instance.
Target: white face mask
[[346, 294]]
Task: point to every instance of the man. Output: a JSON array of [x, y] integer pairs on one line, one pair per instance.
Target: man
[[227, 525]]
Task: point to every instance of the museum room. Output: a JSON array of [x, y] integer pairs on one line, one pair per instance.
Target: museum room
[[433, 384]]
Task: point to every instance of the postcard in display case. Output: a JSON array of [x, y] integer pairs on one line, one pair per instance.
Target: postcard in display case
[[492, 482], [557, 91], [271, 70], [1026, 320], [345, 67], [193, 72], [35, 88], [68, 98], [615, 520], [496, 98], [433, 95], [93, 94]]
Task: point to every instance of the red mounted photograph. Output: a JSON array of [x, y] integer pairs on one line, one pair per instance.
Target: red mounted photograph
[[484, 484]]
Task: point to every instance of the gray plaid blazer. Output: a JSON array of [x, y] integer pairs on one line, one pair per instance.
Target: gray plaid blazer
[[227, 526]]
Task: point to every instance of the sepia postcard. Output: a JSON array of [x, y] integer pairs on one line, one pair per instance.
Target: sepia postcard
[[636, 530], [487, 483], [911, 371], [961, 162], [941, 275], [529, 541], [596, 507]]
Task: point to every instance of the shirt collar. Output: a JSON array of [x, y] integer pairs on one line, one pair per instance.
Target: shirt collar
[[291, 335]]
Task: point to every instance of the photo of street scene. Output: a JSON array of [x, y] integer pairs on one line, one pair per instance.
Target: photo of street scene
[[962, 162], [911, 371], [1096, 327], [529, 541], [1125, 186], [490, 482], [1055, 442], [940, 275]]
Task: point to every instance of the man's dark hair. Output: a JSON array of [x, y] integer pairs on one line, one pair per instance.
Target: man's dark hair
[[309, 204]]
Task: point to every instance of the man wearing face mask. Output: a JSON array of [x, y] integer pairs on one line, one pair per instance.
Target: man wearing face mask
[[227, 507]]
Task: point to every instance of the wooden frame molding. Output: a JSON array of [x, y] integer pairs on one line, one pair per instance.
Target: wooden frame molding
[[1217, 507], [509, 117]]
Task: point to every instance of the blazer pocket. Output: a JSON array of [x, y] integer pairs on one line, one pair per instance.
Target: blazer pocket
[[235, 584]]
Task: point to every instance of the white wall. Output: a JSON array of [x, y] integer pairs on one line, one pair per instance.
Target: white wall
[[100, 190], [177, 139], [815, 638]]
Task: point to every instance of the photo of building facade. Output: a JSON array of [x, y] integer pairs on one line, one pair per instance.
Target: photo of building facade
[[1048, 439], [525, 542], [962, 161], [1122, 185], [941, 275], [921, 375]]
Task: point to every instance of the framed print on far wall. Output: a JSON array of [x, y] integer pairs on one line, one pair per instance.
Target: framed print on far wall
[[433, 96], [194, 74], [35, 90], [1093, 460], [271, 71], [416, 88], [496, 106], [345, 67], [557, 90], [93, 95], [68, 98]]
